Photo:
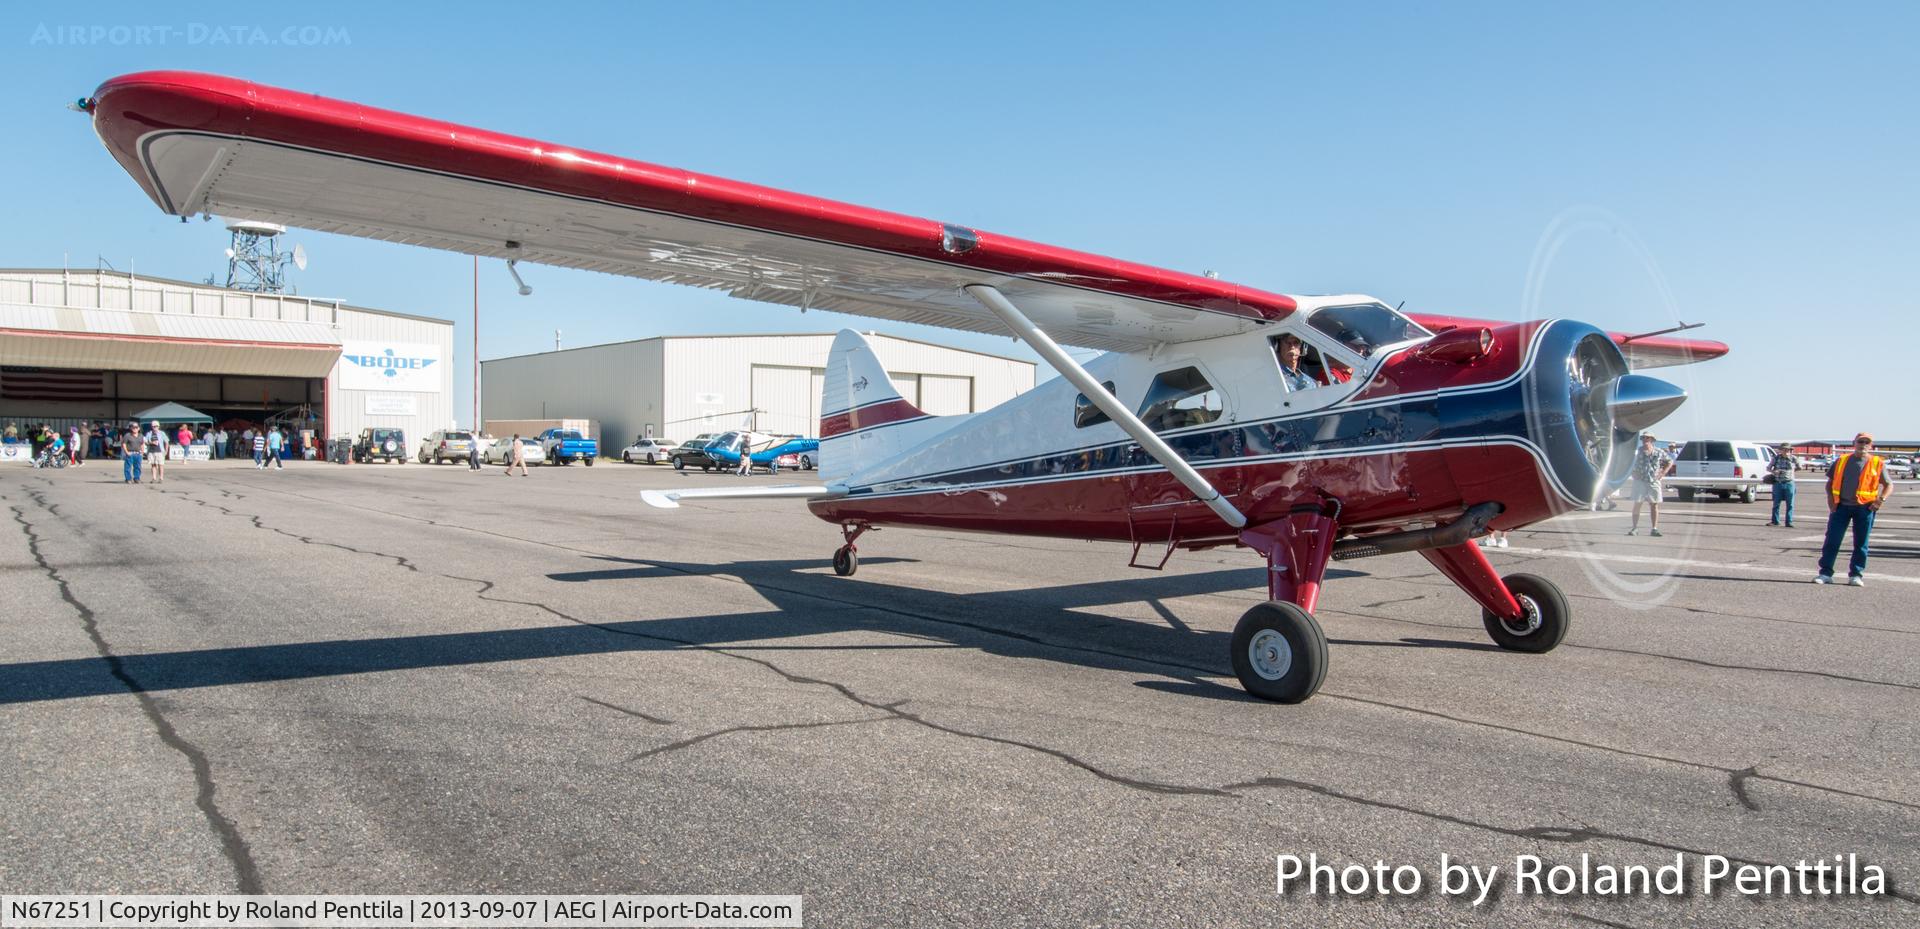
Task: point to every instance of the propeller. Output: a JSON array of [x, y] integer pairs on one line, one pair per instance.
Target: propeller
[[1611, 406]]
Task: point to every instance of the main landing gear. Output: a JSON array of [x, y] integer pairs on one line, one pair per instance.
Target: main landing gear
[[1279, 652], [846, 558]]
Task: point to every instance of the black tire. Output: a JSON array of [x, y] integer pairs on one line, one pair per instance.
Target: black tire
[[706, 467], [1686, 495], [1746, 496], [1264, 669], [589, 462], [679, 464], [651, 460], [845, 561], [806, 463], [1547, 620], [627, 457]]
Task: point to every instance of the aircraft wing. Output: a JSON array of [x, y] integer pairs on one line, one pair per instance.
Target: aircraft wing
[[201, 143], [1641, 351]]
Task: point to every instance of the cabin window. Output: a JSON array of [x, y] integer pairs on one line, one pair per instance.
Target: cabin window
[[1178, 399], [1366, 327], [1085, 413]]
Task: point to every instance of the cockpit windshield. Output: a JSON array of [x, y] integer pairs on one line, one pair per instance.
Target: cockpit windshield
[[1365, 327]]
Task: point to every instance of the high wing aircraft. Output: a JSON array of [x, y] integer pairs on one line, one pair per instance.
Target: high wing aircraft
[[1308, 429]]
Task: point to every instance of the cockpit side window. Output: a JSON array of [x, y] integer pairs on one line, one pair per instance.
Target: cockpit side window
[[1365, 327], [1085, 413], [1180, 398]]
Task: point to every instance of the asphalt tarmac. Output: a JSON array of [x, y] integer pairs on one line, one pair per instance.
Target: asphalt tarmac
[[408, 679]]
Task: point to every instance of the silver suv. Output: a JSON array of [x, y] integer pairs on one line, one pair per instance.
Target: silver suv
[[446, 445]]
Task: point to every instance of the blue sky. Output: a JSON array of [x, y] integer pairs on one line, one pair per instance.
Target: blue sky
[[1750, 166]]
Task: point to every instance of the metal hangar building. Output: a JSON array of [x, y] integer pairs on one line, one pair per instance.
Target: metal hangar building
[[103, 345], [676, 387]]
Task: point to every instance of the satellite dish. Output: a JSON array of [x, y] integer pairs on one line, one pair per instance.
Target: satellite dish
[[229, 254], [300, 257]]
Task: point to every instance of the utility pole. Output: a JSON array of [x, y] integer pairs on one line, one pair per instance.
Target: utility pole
[[476, 344]]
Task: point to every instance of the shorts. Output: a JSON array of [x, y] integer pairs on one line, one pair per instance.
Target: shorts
[[1645, 491]]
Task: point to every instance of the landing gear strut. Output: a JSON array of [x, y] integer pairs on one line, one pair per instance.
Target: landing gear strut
[[1278, 650], [846, 558], [1522, 612]]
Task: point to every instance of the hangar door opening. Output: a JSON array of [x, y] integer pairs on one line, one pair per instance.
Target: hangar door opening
[[786, 401]]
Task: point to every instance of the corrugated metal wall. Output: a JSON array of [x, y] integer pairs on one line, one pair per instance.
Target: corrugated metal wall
[[683, 386], [613, 384]]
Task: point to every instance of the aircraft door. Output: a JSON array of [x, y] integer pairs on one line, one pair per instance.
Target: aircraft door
[[1182, 405]]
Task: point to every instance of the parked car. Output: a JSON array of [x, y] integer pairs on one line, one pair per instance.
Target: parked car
[[804, 455], [651, 451], [445, 445], [1721, 466], [565, 446], [1902, 468], [692, 454], [532, 452], [384, 444]]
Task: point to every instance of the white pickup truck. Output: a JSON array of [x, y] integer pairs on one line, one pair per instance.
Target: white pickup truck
[[1721, 466]]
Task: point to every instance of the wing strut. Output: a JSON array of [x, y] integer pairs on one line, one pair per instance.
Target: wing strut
[[1034, 336]]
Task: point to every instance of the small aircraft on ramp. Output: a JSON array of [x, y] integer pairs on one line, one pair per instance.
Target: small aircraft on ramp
[[1309, 429]]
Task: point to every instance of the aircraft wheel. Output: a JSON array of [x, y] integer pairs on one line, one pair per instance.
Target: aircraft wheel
[[1544, 623], [1279, 652], [845, 561]]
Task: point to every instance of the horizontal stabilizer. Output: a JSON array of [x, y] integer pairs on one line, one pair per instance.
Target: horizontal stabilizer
[[670, 499]]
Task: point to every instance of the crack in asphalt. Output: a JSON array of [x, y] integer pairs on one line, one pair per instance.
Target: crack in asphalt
[[232, 845], [400, 560], [1737, 782], [1595, 920], [1369, 606], [764, 727], [1148, 662], [656, 720]]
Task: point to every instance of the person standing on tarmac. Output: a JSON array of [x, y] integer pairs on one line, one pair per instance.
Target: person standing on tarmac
[[276, 445], [473, 453], [156, 441], [1650, 466], [1782, 468], [132, 448], [1857, 485]]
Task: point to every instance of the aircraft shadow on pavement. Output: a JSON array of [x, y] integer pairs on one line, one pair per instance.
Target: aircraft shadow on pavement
[[1039, 623]]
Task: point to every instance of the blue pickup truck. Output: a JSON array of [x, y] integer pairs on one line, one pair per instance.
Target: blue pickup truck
[[564, 446]]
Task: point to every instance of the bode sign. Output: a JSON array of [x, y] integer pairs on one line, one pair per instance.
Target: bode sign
[[390, 366]]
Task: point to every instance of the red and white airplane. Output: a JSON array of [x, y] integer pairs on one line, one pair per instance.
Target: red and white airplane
[[1306, 428]]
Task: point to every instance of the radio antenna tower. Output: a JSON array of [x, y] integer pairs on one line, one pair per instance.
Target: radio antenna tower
[[255, 261]]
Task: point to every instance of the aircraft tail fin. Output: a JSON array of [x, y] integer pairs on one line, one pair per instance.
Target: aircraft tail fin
[[863, 417]]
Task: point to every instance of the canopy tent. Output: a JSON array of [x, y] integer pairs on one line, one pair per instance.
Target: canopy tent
[[172, 413]]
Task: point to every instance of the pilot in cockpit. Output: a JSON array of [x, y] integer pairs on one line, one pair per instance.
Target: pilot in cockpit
[[1289, 350]]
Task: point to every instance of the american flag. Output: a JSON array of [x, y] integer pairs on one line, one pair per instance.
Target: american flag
[[51, 384]]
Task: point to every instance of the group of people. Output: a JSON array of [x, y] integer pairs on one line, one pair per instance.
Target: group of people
[[145, 450], [1856, 488]]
